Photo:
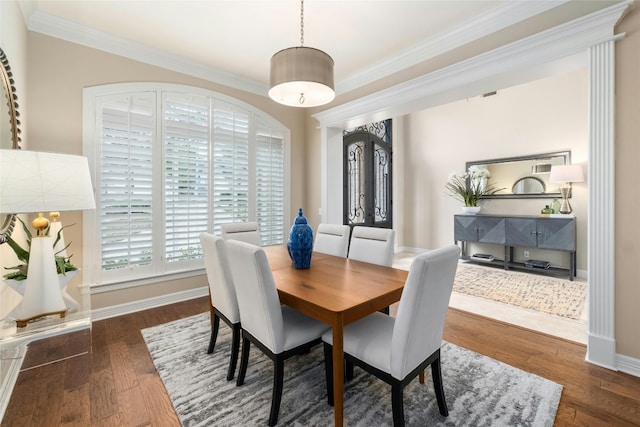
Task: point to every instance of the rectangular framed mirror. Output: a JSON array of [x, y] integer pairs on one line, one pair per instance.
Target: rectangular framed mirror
[[523, 176]]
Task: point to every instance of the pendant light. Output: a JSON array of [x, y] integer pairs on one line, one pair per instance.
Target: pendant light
[[301, 76]]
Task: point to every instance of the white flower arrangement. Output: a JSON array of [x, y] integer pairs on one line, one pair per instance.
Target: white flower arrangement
[[479, 171], [469, 188]]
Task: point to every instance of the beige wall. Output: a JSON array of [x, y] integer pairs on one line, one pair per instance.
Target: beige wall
[[57, 73], [538, 117], [627, 197]]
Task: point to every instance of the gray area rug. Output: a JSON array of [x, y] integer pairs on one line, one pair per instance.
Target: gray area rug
[[480, 391], [551, 295]]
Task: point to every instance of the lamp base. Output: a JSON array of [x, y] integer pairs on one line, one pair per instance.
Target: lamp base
[[565, 206], [21, 323], [42, 296]]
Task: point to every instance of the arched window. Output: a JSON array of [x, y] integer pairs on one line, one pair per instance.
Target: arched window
[[172, 161]]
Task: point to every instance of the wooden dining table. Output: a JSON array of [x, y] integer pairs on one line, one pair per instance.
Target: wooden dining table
[[336, 291]]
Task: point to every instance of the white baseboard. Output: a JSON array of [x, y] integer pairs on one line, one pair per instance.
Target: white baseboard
[[132, 307], [628, 365]]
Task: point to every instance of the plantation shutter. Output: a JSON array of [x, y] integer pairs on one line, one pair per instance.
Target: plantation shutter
[[230, 145], [186, 176], [125, 183], [270, 185], [171, 162]]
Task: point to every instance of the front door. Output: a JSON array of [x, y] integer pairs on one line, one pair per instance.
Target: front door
[[367, 176]]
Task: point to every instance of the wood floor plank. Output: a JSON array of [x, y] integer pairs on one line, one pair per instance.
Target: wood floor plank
[[104, 397], [132, 408], [49, 394], [157, 401], [124, 375], [76, 407]]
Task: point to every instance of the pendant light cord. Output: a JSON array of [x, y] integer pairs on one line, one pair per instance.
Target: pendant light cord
[[301, 99], [301, 22]]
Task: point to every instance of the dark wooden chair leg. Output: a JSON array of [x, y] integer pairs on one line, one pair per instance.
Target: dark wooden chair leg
[[348, 370], [235, 349], [278, 379], [397, 405], [244, 361], [328, 371], [215, 325], [436, 373], [421, 377]]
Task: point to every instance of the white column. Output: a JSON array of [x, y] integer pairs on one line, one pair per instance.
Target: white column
[[331, 185], [601, 349]]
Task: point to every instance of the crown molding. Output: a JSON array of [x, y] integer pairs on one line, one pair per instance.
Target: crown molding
[[501, 17], [507, 14], [54, 26], [458, 80]]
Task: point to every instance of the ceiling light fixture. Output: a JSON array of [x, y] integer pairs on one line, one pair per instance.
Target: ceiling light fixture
[[301, 76]]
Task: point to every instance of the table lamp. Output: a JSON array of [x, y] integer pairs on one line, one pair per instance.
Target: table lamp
[[566, 174], [31, 182]]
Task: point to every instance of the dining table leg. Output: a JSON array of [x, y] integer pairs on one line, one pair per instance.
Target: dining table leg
[[338, 370]]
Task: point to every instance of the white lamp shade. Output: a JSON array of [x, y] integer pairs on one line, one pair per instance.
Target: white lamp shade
[[33, 181], [566, 173]]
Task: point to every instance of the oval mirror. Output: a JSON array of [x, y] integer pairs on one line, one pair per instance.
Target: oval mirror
[[528, 185], [9, 131]]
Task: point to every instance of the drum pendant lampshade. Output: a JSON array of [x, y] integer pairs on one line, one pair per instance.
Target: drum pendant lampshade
[[301, 76]]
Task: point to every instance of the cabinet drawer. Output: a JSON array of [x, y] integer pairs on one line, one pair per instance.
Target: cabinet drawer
[[479, 229], [544, 233], [522, 232], [557, 233]]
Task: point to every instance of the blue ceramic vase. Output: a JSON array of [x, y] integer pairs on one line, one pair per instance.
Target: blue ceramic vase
[[300, 244]]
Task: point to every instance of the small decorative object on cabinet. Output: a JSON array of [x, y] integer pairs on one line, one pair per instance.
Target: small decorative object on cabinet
[[471, 210], [300, 244]]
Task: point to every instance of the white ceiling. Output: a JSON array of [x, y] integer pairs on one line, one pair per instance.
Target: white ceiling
[[231, 41]]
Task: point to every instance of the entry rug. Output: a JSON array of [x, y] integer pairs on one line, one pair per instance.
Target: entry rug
[[480, 391], [551, 295]]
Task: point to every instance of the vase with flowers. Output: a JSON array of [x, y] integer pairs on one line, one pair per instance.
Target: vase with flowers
[[470, 187]]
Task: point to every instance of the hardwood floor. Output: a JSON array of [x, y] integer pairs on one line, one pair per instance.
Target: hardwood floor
[[117, 385]]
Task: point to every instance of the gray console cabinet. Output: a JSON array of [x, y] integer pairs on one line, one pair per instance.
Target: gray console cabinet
[[519, 231]]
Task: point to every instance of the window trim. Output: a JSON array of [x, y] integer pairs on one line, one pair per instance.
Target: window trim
[[90, 132]]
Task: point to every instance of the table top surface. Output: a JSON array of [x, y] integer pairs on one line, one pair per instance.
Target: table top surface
[[335, 285]]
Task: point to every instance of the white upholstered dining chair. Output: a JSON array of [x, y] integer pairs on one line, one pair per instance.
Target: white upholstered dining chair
[[280, 332], [243, 231], [332, 239], [372, 245], [397, 350], [223, 303]]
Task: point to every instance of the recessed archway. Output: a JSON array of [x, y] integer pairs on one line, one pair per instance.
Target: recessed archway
[[591, 37]]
